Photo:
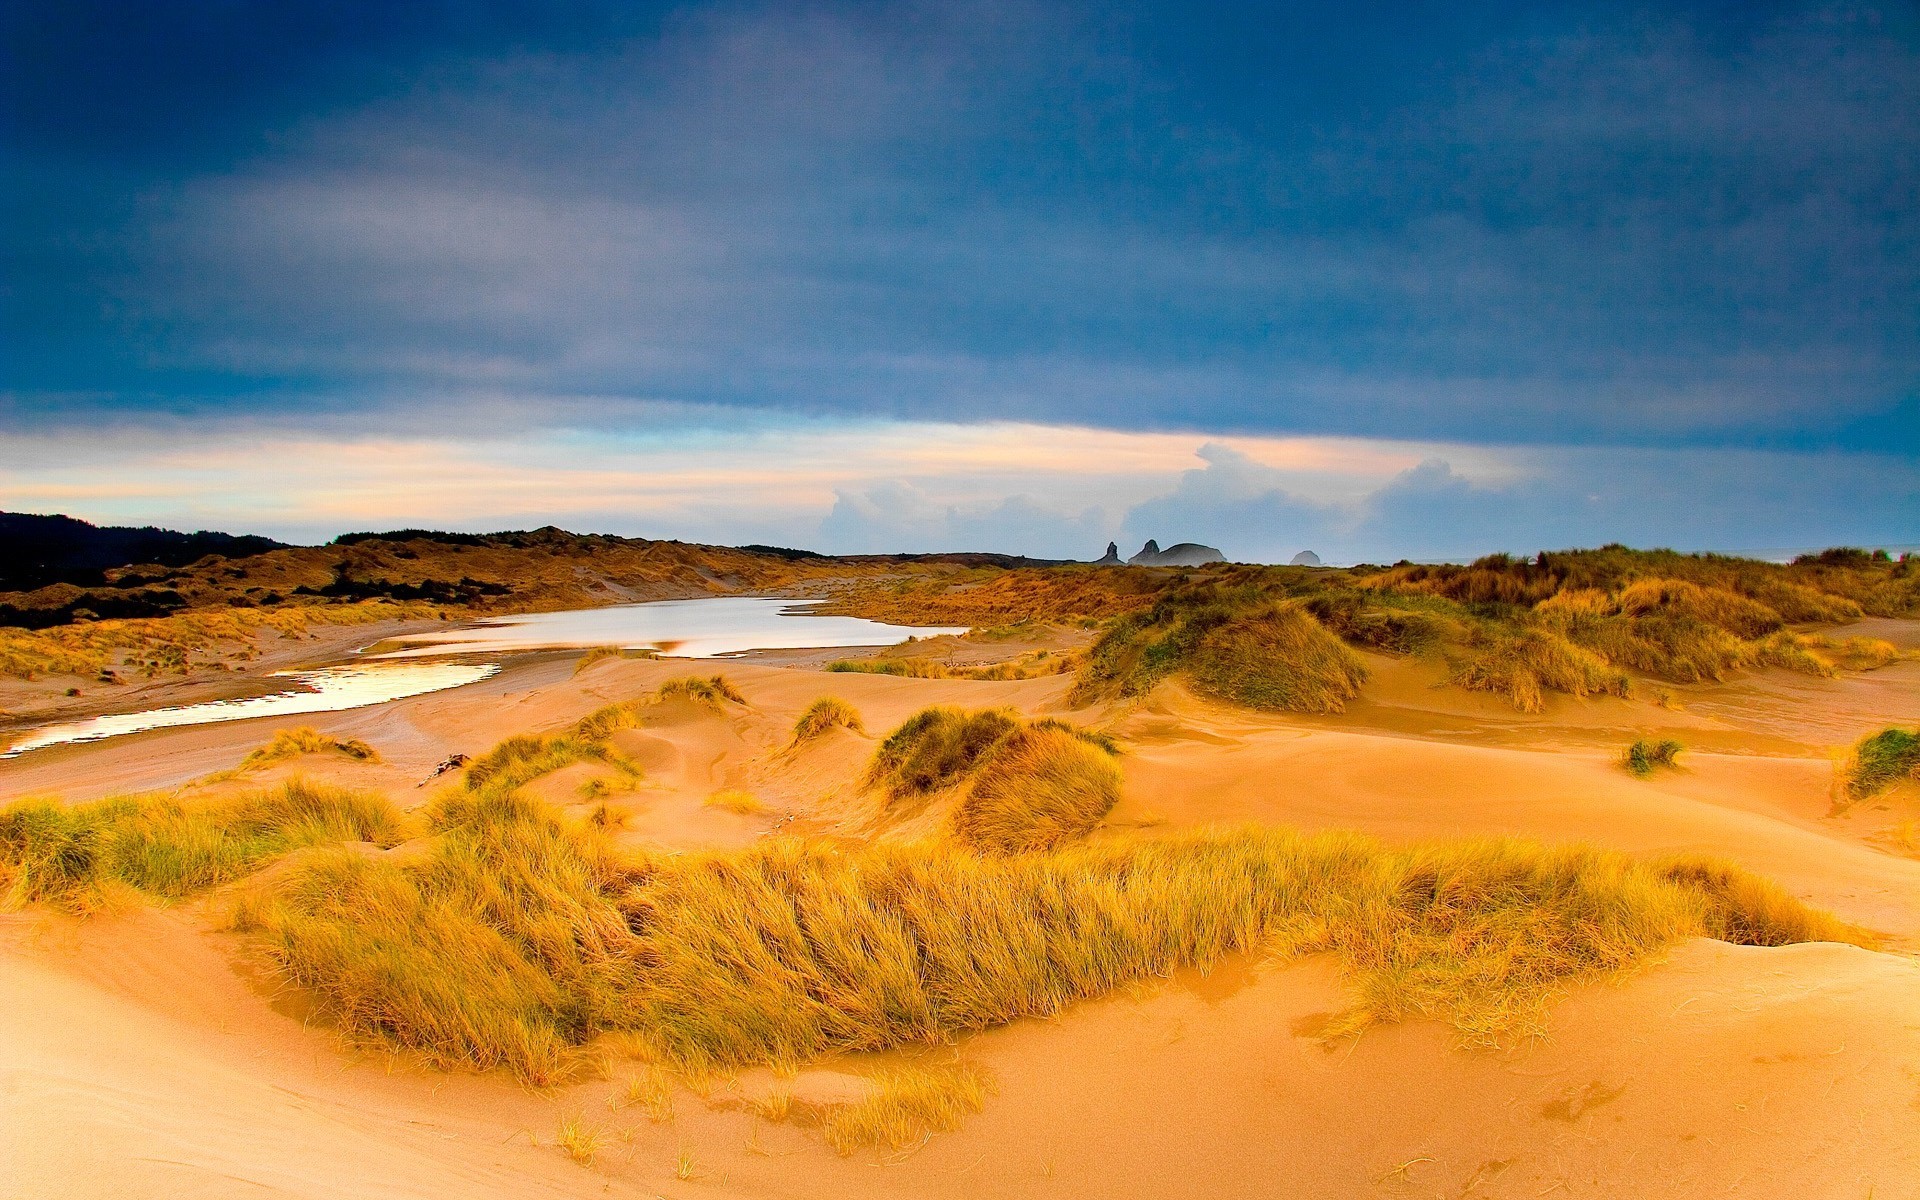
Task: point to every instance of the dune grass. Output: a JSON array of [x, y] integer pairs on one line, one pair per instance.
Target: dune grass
[[292, 743], [1043, 785], [578, 1140], [650, 1091], [734, 800], [600, 653], [1238, 644], [153, 644], [825, 714], [714, 691], [519, 938], [1882, 760], [911, 1101], [1028, 666], [521, 759], [1645, 754], [937, 748], [76, 856]]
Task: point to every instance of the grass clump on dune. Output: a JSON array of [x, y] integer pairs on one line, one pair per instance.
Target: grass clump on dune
[[1239, 644], [910, 1102], [1019, 785], [1044, 785], [1882, 760], [937, 748], [519, 937], [1645, 754], [76, 855], [292, 743], [825, 714], [526, 757], [714, 691], [734, 800]]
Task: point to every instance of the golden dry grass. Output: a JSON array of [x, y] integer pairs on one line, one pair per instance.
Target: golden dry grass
[[1043, 785], [734, 800], [292, 743], [578, 1140], [155, 644], [911, 1102], [1235, 643], [826, 713], [167, 848], [519, 938]]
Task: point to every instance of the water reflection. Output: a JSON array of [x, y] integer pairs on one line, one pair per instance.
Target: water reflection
[[707, 628], [328, 689]]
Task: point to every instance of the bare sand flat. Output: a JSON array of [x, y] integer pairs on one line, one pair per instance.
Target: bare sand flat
[[142, 1056]]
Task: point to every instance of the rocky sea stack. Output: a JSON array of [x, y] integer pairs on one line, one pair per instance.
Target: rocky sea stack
[[1185, 554]]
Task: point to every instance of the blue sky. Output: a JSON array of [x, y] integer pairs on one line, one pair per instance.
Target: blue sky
[[1383, 280]]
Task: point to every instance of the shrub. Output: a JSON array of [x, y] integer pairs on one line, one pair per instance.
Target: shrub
[[1644, 755]]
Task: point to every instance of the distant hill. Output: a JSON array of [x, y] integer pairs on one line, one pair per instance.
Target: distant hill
[[39, 550], [1185, 554]]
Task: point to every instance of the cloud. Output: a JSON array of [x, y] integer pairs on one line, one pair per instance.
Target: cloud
[[1599, 228], [1045, 491]]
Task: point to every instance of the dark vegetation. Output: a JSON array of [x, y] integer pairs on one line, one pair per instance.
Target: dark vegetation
[[39, 550], [1645, 754], [1575, 623], [1882, 760]]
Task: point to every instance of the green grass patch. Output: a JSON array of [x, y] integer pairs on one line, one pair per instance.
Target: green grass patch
[[1882, 760], [75, 856], [1646, 754]]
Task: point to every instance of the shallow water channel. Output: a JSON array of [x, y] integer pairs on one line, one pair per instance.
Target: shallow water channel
[[445, 658]]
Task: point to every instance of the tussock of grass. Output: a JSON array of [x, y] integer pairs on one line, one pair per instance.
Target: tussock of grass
[[651, 1092], [735, 801], [1238, 644], [905, 668], [166, 848], [1027, 666], [826, 713], [518, 939], [937, 748], [292, 743], [599, 653], [579, 1140], [1044, 785], [909, 1104], [1645, 754], [1882, 760], [523, 758], [714, 691]]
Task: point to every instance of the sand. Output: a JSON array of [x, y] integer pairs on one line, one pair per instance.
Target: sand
[[141, 1056]]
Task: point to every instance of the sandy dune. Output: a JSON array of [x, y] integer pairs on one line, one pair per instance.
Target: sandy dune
[[139, 1056]]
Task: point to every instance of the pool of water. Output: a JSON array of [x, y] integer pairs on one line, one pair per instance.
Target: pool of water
[[328, 689], [709, 628]]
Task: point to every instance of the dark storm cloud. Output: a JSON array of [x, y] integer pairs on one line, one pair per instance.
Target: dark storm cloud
[[1690, 228]]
